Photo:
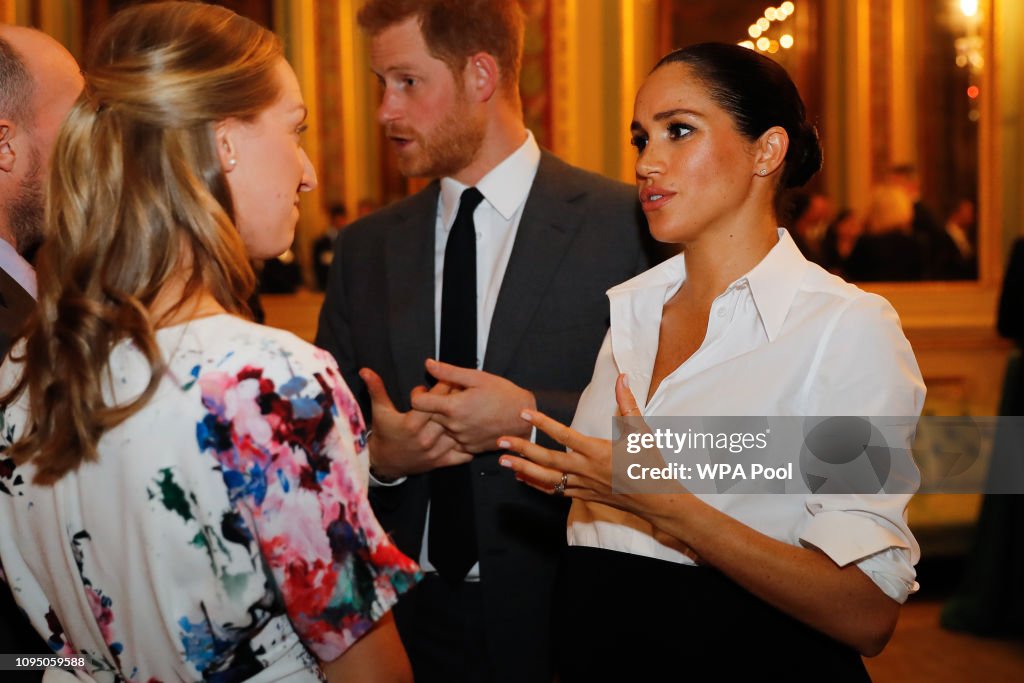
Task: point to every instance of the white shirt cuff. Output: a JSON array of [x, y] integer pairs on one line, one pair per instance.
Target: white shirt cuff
[[847, 537], [374, 481], [892, 572]]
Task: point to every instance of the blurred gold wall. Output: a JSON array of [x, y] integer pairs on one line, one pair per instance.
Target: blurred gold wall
[[586, 58]]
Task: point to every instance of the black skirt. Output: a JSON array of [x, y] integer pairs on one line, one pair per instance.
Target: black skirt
[[623, 617]]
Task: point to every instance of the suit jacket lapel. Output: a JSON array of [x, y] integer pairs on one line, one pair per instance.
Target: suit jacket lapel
[[549, 223], [410, 277], [16, 305]]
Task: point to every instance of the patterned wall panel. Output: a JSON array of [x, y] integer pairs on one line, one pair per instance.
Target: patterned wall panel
[[329, 91], [880, 38], [535, 80]]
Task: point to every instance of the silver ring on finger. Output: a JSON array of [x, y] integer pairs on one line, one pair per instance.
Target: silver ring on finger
[[560, 487]]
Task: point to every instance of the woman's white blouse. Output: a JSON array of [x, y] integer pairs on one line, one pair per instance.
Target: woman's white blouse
[[787, 338]]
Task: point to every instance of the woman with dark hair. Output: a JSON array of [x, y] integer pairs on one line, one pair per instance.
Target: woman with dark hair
[[183, 491], [785, 586]]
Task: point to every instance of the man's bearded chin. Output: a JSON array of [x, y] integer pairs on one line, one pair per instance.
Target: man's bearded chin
[[26, 213]]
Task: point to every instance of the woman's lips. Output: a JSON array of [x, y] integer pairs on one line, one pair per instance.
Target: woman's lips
[[652, 199]]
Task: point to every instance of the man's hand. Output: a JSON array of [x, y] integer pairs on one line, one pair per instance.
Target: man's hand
[[407, 443], [486, 407]]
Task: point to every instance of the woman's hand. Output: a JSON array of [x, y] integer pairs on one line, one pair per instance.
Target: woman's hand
[[585, 470]]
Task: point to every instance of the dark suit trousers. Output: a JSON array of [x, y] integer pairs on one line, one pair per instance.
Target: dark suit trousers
[[439, 618]]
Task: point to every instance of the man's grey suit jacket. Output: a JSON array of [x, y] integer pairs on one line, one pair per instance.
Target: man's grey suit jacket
[[580, 234]]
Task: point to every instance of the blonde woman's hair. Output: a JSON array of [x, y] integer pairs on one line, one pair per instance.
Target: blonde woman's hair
[[889, 209], [137, 199]]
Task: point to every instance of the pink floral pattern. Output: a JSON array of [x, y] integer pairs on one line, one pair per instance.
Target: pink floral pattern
[[273, 443]]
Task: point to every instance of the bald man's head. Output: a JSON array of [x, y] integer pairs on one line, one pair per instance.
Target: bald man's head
[[39, 81]]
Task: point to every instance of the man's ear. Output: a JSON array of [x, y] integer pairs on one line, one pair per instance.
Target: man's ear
[[224, 133], [771, 151], [7, 155], [482, 76]]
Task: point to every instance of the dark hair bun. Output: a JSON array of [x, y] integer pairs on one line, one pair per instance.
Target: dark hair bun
[[804, 156]]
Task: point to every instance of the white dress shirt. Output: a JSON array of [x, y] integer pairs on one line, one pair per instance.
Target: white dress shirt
[[496, 219], [505, 189], [17, 267], [787, 338]]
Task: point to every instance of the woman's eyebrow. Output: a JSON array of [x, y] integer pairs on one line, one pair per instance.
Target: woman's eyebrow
[[661, 116]]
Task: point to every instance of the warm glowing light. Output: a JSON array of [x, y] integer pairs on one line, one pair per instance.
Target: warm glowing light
[[754, 31], [961, 61], [771, 14], [972, 92], [749, 44], [969, 7], [773, 46], [763, 23], [763, 43], [787, 7], [786, 41]]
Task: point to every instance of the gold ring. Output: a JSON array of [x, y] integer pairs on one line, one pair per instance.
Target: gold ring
[[560, 488]]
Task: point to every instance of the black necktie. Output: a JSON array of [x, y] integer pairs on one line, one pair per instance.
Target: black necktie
[[452, 539]]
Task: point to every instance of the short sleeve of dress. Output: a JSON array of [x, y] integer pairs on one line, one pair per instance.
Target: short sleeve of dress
[[867, 369], [288, 436]]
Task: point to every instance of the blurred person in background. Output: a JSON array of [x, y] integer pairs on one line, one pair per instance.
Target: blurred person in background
[[888, 250], [809, 214], [323, 247], [939, 258], [961, 226], [841, 237], [989, 600]]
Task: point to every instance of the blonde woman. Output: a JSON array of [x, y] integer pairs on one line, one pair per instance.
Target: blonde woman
[[181, 488]]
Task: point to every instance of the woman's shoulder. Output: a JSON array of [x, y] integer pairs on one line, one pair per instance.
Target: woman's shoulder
[[836, 311], [225, 349], [228, 341], [841, 295]]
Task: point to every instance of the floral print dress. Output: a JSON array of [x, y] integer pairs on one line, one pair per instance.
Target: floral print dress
[[223, 534]]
